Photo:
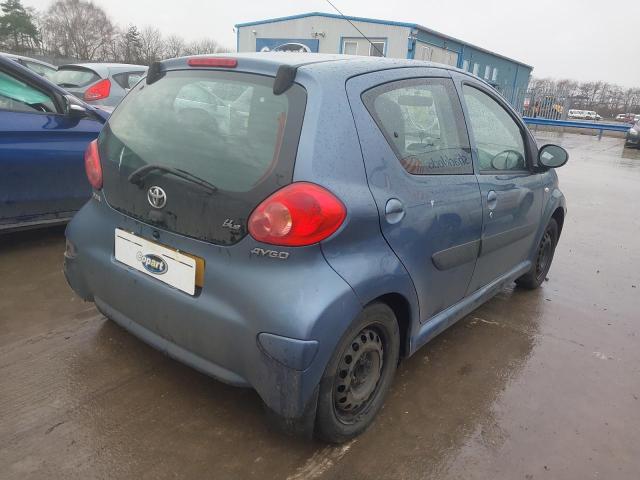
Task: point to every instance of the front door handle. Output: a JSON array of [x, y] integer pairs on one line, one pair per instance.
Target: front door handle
[[492, 200], [394, 210]]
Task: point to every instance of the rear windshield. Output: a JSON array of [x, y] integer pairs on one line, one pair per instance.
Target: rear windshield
[[70, 77], [225, 128]]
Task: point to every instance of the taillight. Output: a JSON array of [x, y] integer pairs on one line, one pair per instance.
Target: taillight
[[98, 91], [299, 214], [221, 62], [92, 165]]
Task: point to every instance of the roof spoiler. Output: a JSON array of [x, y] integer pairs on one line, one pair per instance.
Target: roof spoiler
[[285, 77], [155, 72]]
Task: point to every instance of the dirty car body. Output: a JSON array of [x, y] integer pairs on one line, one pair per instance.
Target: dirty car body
[[429, 224]]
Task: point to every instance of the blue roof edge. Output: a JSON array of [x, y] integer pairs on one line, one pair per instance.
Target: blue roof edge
[[383, 22]]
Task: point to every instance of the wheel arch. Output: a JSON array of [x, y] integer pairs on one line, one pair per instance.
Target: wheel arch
[[558, 216], [402, 311]]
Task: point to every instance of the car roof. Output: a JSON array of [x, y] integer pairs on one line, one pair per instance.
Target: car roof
[[342, 65], [105, 69], [29, 59]]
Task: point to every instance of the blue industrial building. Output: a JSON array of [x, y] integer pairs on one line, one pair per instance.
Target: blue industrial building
[[330, 33]]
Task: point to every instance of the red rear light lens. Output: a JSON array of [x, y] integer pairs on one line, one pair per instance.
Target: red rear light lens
[[212, 62], [300, 214], [98, 91], [92, 165]]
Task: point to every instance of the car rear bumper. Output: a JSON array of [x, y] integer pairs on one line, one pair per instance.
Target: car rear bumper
[[248, 326]]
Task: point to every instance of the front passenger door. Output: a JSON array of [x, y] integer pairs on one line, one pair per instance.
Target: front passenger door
[[511, 191]]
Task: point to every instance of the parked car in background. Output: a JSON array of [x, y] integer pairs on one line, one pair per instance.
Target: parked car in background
[[633, 135], [42, 68], [99, 83], [44, 132], [621, 116], [306, 250]]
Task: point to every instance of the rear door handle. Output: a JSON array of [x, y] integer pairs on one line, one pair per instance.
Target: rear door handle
[[394, 210], [492, 200]]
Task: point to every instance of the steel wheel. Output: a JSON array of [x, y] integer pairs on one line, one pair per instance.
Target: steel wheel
[[359, 374], [545, 254]]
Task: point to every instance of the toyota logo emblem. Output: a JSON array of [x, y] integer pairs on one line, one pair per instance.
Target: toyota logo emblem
[[157, 198]]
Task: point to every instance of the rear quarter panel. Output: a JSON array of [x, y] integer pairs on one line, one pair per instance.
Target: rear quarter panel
[[329, 154]]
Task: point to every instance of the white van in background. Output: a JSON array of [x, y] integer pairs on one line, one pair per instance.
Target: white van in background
[[577, 114]]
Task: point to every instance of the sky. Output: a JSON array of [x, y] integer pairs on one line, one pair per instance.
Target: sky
[[585, 40]]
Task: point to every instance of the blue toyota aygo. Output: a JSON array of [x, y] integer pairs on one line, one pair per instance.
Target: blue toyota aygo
[[298, 223]]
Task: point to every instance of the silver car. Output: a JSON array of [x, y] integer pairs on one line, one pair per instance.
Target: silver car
[[42, 68], [99, 83]]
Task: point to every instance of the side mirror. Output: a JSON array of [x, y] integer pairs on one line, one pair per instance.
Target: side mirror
[[74, 107], [552, 156]]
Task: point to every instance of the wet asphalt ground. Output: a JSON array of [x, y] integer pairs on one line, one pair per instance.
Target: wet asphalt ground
[[533, 385]]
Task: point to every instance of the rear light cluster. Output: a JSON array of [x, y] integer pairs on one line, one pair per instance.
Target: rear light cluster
[[299, 214], [98, 91], [92, 165]]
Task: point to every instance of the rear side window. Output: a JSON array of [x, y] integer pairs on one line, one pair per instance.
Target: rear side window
[[70, 77], [422, 120], [128, 80]]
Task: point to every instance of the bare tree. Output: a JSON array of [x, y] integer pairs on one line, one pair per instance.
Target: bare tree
[[151, 45], [205, 45], [174, 46], [78, 28]]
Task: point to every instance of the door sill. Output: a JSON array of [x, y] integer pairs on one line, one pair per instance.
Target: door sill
[[443, 320]]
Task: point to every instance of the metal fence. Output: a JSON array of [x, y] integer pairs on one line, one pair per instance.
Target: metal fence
[[556, 104], [535, 103]]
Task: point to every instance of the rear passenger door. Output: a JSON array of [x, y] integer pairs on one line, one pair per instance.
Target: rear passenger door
[[511, 190], [420, 172]]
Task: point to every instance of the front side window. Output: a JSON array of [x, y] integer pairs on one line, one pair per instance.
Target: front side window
[[422, 121], [497, 136], [18, 96]]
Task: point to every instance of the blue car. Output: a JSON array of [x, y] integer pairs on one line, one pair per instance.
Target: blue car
[[44, 133], [332, 218]]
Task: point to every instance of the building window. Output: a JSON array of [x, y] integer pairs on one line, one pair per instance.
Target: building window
[[476, 68], [465, 65], [424, 53], [350, 48], [494, 77], [487, 72], [376, 49]]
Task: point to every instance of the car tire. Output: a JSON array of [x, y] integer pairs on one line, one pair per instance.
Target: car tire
[[543, 258], [359, 375]]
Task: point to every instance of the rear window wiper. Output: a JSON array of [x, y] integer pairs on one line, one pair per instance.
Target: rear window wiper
[[138, 174]]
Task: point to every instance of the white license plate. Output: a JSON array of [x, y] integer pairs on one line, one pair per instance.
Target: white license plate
[[162, 263]]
